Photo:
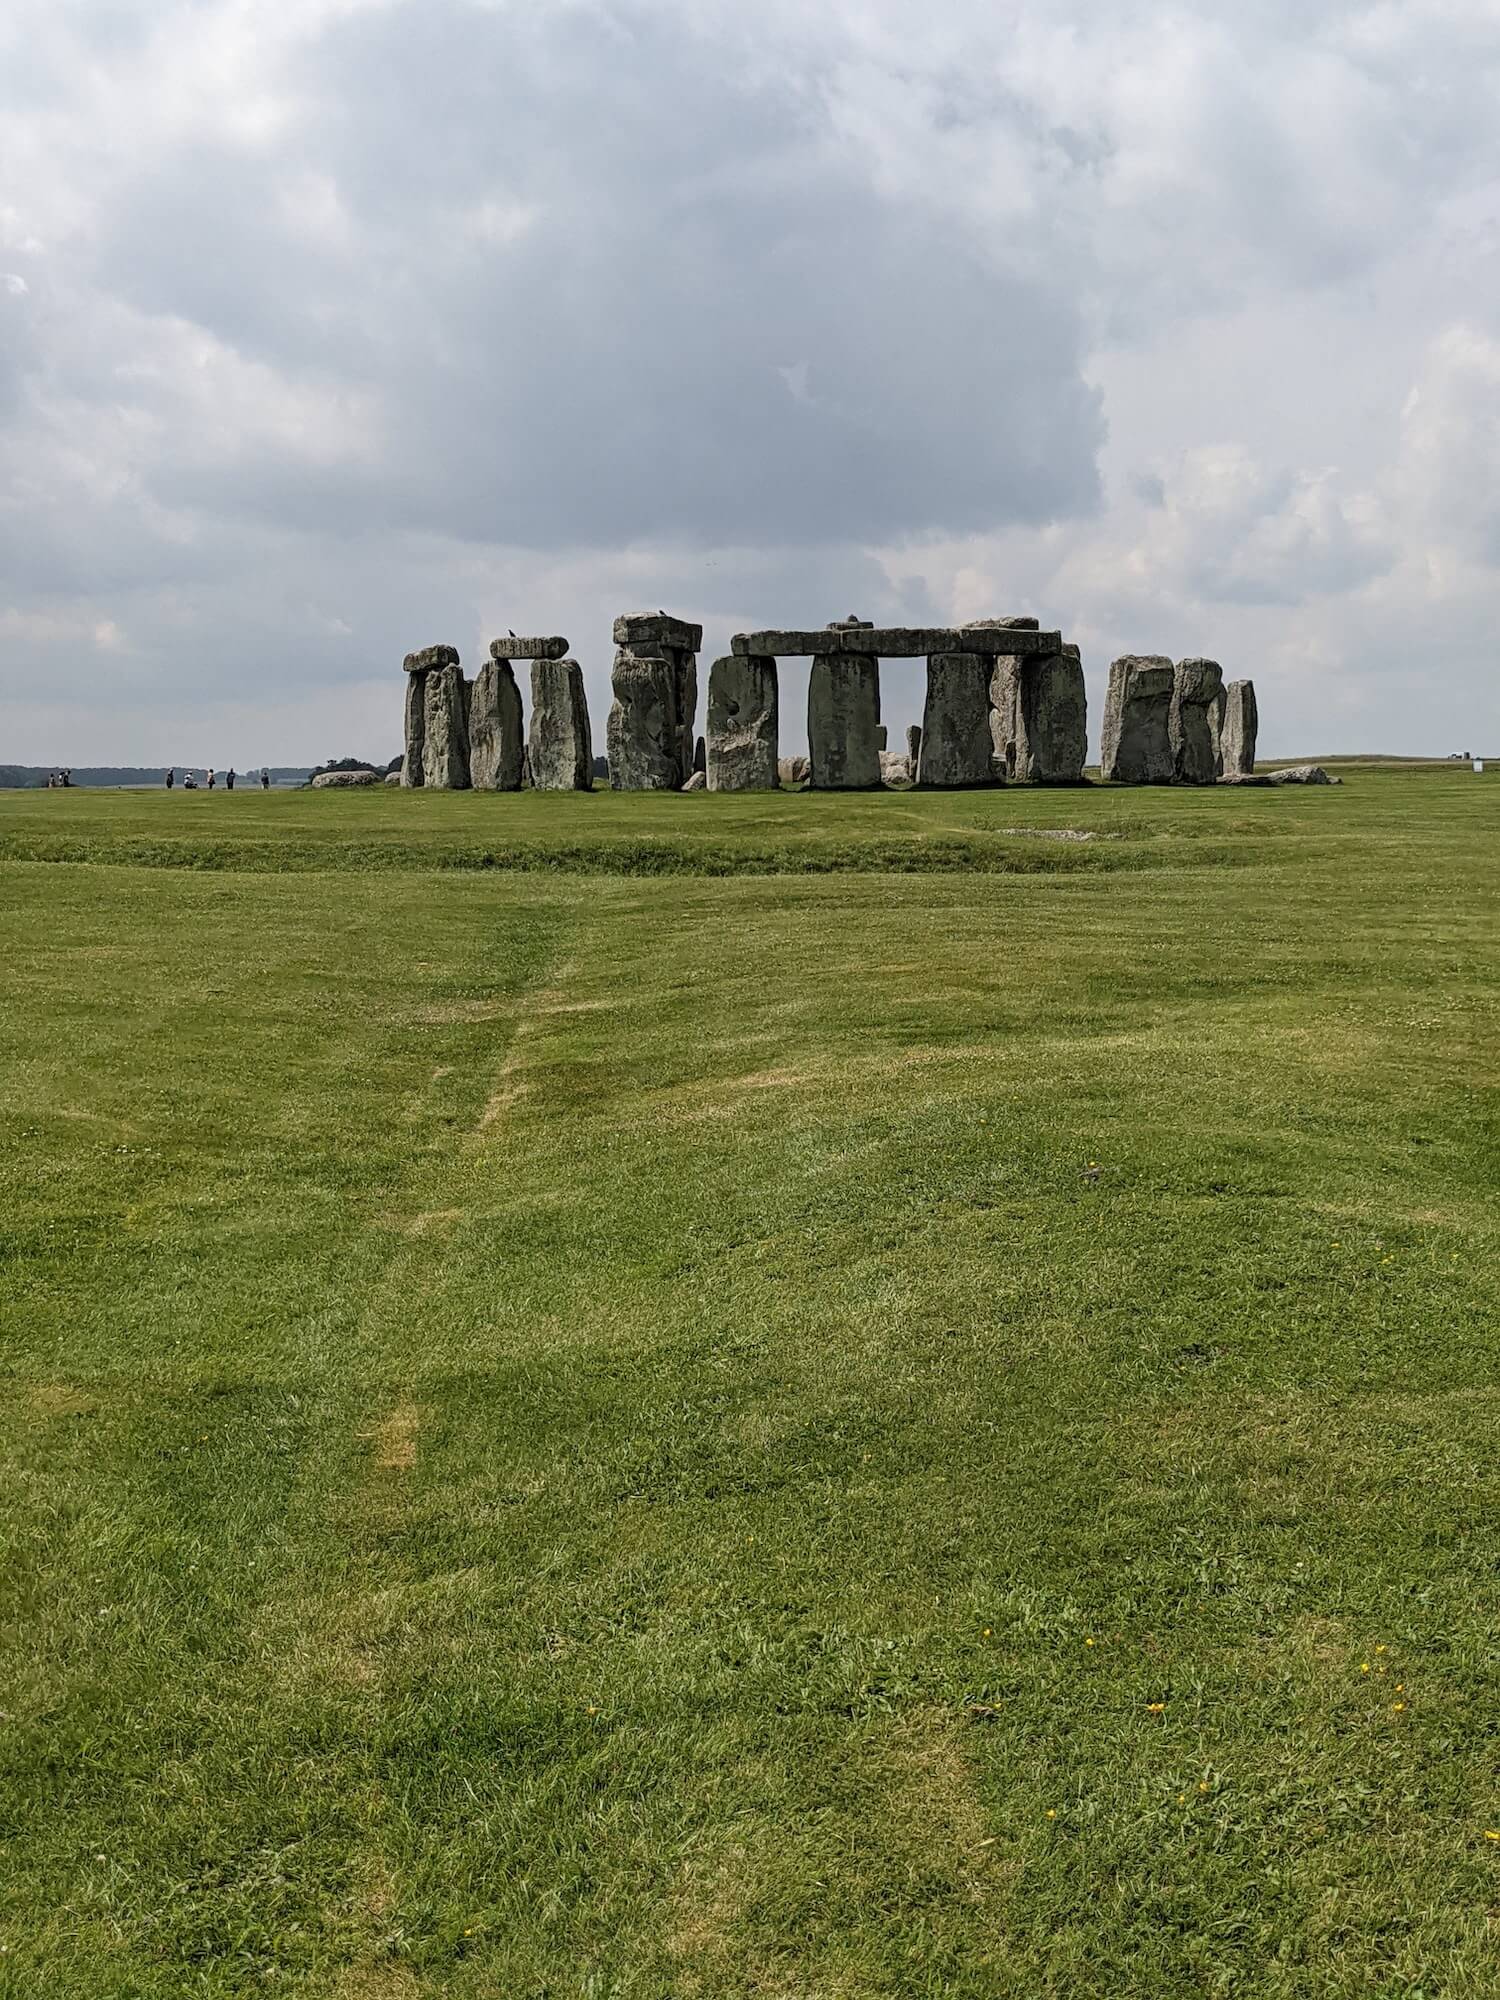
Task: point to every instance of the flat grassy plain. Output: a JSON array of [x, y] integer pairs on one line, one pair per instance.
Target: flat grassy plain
[[635, 1397]]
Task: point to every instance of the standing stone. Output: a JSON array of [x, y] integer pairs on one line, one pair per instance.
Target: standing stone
[[495, 738], [913, 746], [445, 731], [416, 729], [643, 736], [956, 723], [700, 755], [1005, 692], [1136, 748], [881, 742], [743, 725], [1196, 687], [560, 750], [1051, 719], [1241, 727], [687, 708], [843, 713]]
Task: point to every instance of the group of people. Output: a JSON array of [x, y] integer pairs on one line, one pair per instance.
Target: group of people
[[210, 778], [60, 781]]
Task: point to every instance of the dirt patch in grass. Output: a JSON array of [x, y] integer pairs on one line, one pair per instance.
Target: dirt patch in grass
[[395, 1438], [61, 1399]]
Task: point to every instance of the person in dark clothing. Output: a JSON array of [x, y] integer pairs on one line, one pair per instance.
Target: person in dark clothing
[[229, 779], [171, 779], [265, 781]]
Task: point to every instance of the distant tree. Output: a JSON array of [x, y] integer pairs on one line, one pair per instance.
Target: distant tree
[[343, 764]]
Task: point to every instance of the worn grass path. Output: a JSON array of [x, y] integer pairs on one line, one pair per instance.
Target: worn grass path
[[800, 1434]]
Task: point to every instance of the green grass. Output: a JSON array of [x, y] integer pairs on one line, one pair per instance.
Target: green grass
[[780, 1430]]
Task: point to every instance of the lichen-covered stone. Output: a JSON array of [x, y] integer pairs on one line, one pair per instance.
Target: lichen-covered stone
[[560, 750], [743, 725], [495, 732], [430, 659], [656, 628], [337, 781], [913, 744], [696, 783], [895, 769], [1136, 744], [1302, 774], [512, 648], [643, 738], [415, 733], [1241, 727], [956, 723], [792, 771], [1051, 720], [1196, 687], [445, 731], [843, 713]]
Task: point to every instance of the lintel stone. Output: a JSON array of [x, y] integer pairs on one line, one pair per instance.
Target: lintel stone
[[656, 628], [431, 659], [511, 648], [894, 642]]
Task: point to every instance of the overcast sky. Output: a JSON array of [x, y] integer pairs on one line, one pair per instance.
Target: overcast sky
[[334, 328]]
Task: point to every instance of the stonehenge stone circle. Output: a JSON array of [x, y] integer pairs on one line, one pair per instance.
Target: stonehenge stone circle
[[743, 725], [843, 714], [560, 750], [512, 648], [1136, 748], [445, 730], [1051, 720], [495, 737], [650, 732], [1241, 726], [1196, 687], [901, 642], [956, 748]]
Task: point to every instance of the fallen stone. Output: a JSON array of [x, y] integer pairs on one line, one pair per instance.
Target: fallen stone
[[430, 658], [415, 735], [697, 783], [792, 771], [843, 713], [560, 751], [1241, 727], [1136, 745], [445, 731], [655, 628], [956, 724], [334, 781], [1302, 774], [393, 777], [743, 725], [1244, 778], [1051, 716], [1196, 687], [895, 769], [495, 732], [642, 735], [512, 648]]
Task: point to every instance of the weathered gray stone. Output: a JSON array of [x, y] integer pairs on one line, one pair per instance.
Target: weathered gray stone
[[696, 783], [445, 731], [1005, 695], [656, 628], [1243, 778], [1302, 774], [1136, 745], [898, 642], [894, 768], [956, 723], [843, 713], [643, 738], [495, 733], [851, 624], [415, 734], [1002, 625], [393, 777], [512, 648], [743, 725], [1051, 713], [431, 658], [335, 781], [913, 744], [882, 737], [687, 706], [1241, 727], [792, 771], [560, 751], [1196, 688]]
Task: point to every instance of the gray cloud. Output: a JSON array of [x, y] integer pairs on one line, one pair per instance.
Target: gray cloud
[[359, 324]]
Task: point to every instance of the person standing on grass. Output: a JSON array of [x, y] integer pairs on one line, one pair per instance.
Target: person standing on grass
[[229, 779], [212, 781], [265, 778], [171, 778]]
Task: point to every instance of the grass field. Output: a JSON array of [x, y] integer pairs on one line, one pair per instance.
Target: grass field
[[794, 1397]]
